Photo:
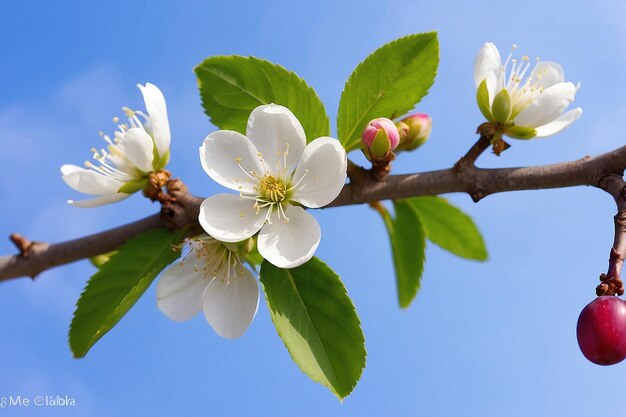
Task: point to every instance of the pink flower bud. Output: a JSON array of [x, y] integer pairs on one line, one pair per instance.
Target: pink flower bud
[[414, 131], [380, 138]]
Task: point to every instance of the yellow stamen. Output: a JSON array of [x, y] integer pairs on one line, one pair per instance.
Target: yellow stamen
[[273, 189]]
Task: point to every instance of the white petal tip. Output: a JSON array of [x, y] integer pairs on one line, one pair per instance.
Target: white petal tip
[[289, 265]]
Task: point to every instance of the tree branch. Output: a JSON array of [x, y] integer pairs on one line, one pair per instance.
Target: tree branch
[[612, 283], [603, 171]]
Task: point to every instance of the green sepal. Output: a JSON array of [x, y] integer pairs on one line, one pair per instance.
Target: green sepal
[[250, 254], [501, 107], [133, 186], [381, 144], [520, 132], [161, 161], [482, 98]]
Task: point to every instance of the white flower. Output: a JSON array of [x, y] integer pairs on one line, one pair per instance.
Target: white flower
[[275, 175], [137, 149], [210, 278], [525, 104]]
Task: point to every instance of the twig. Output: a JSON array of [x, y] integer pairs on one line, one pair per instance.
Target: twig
[[473, 153], [611, 281]]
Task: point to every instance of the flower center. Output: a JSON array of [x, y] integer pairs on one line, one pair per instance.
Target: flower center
[[522, 90], [214, 259], [273, 190], [113, 161]]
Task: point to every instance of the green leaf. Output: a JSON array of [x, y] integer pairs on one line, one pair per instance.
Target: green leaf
[[389, 83], [232, 86], [482, 98], [408, 246], [317, 321], [117, 286], [449, 227]]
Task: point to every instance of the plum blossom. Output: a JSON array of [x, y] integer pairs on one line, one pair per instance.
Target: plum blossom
[[525, 103], [212, 279], [137, 149], [276, 174]]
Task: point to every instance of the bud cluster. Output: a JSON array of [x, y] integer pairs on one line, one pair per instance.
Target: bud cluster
[[381, 137]]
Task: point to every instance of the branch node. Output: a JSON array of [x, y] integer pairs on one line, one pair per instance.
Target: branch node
[[24, 245], [156, 181], [179, 209], [356, 173], [477, 195], [380, 170]]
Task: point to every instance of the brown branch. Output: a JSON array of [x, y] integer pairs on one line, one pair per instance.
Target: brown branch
[[36, 257], [42, 256], [612, 283], [479, 182], [469, 159], [602, 171]]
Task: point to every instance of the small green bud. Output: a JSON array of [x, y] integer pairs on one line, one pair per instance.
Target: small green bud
[[414, 131]]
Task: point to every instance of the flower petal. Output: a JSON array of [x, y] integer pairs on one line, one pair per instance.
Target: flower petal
[[88, 181], [548, 105], [278, 136], [138, 147], [488, 63], [230, 218], [229, 159], [230, 307], [559, 124], [290, 244], [546, 74], [321, 173], [180, 289], [157, 111], [99, 201]]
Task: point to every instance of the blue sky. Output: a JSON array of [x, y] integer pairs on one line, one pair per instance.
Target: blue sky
[[481, 339]]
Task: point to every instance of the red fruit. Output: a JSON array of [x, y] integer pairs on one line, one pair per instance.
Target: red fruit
[[601, 330]]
